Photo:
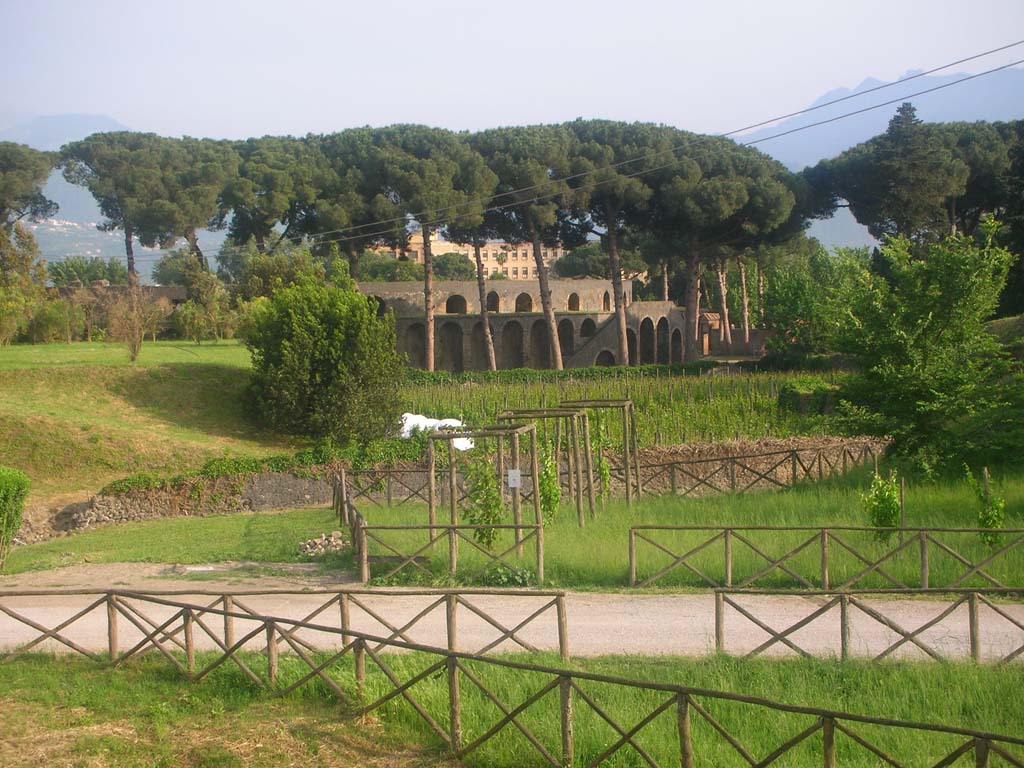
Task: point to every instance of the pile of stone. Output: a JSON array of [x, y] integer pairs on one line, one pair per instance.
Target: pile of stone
[[322, 544]]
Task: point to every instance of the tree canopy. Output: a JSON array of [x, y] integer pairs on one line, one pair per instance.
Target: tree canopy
[[23, 172]]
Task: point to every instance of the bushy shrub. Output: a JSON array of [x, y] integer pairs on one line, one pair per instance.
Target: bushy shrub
[[13, 490], [882, 504], [324, 364], [808, 395]]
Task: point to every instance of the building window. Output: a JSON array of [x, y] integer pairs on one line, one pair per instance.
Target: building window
[[504, 270], [526, 272], [515, 271], [545, 254]]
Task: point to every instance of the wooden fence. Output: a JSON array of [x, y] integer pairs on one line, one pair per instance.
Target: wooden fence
[[942, 637], [130, 615], [812, 561], [680, 477], [560, 699]]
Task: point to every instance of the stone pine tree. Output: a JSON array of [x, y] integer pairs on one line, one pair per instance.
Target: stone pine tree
[[531, 164], [123, 171], [437, 178], [475, 233], [23, 172]]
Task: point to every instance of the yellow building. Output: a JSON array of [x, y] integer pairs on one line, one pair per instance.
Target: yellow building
[[515, 261]]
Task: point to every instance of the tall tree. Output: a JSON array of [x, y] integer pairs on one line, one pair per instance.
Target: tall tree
[[123, 171], [437, 178], [531, 164], [23, 172], [476, 234]]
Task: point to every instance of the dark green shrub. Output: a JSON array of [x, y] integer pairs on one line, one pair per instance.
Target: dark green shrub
[[143, 481], [808, 395], [13, 490]]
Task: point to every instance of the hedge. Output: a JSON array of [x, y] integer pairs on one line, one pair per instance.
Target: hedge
[[13, 490]]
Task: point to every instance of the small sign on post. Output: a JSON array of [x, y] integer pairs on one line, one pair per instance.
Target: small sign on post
[[513, 478]]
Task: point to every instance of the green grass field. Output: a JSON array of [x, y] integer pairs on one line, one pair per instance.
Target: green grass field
[[146, 714]]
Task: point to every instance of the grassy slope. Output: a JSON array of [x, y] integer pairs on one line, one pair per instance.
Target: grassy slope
[[77, 416]]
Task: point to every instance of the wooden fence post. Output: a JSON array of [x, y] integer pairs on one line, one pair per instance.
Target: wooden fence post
[[636, 450], [626, 465], [517, 502], [824, 558], [453, 485], [271, 652], [632, 557], [673, 482], [828, 738], [229, 621], [454, 704], [190, 646], [732, 473], [540, 555], [364, 555], [346, 618], [563, 628], [972, 625], [793, 466], [112, 649], [844, 627], [431, 489], [345, 511], [565, 708], [719, 622], [359, 662], [728, 557], [923, 539], [683, 727], [588, 462], [981, 752]]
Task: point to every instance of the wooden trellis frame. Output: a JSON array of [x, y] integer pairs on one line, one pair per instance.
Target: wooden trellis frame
[[499, 432], [630, 443], [579, 462]]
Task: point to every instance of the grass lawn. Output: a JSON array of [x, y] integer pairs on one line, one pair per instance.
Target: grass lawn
[[74, 417], [146, 714]]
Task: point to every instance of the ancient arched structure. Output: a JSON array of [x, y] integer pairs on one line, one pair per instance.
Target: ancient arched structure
[[524, 303], [631, 345], [574, 302], [540, 346], [449, 348], [512, 345], [648, 351], [677, 346], [455, 305], [605, 357], [493, 302], [606, 302], [566, 338], [587, 328], [416, 345], [663, 351], [478, 348]]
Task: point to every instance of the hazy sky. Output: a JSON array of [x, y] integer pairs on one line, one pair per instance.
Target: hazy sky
[[226, 68]]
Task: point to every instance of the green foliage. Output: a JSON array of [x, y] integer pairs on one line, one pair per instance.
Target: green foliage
[[808, 395], [882, 504], [381, 268], [172, 267], [991, 508], [87, 269], [599, 444], [324, 364], [23, 172], [141, 481], [13, 490], [56, 320], [251, 273], [453, 266], [930, 375], [550, 487], [507, 576], [486, 506], [591, 260]]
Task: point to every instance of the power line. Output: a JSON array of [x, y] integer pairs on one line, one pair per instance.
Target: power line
[[673, 150]]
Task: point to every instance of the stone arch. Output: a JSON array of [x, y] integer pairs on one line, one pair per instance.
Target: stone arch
[[416, 345], [512, 345], [524, 303], [456, 305], [605, 357], [566, 338], [631, 345], [540, 345], [606, 302], [574, 302], [449, 348], [587, 328], [382, 307], [648, 348], [478, 348], [493, 302], [677, 346], [663, 351]]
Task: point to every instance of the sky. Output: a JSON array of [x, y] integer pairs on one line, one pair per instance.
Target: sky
[[231, 69]]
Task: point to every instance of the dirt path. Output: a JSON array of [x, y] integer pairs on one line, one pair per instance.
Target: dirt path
[[599, 624]]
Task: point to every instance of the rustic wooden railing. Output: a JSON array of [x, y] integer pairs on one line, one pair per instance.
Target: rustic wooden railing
[[682, 477], [943, 636], [343, 611], [832, 545], [560, 700]]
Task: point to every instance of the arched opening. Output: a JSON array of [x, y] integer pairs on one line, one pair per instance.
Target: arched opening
[[574, 302], [493, 302], [416, 345], [478, 348], [677, 346], [631, 345], [605, 358], [382, 308], [524, 303], [456, 305], [663, 353], [606, 302], [587, 328], [540, 345], [512, 345], [566, 339], [449, 352], [647, 342]]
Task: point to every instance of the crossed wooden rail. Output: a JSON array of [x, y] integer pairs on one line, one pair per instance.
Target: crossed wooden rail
[[825, 604], [694, 716], [917, 543]]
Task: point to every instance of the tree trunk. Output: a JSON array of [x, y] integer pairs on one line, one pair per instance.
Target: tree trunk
[[744, 301], [193, 245], [615, 266], [261, 242], [760, 292], [130, 252], [725, 332], [353, 262], [428, 299], [664, 279], [692, 305], [545, 300], [492, 363]]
